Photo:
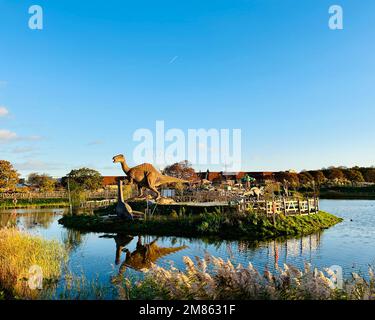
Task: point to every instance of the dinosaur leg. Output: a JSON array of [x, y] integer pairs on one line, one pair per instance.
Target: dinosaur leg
[[151, 178], [141, 190]]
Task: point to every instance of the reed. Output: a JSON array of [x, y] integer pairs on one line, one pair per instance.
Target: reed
[[20, 251], [213, 278]]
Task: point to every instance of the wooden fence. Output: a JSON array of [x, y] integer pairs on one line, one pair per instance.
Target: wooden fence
[[107, 194], [93, 204], [281, 206], [200, 196]]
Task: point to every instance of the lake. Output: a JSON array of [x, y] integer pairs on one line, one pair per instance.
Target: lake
[[101, 256]]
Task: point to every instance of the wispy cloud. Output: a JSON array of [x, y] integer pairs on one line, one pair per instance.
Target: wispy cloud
[[95, 142], [23, 149], [3, 111], [37, 165], [31, 138], [7, 136]]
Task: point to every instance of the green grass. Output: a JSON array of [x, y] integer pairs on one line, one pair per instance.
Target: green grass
[[224, 226], [33, 203]]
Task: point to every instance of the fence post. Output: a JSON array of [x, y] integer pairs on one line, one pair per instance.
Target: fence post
[[266, 207], [299, 207], [284, 204], [274, 212]]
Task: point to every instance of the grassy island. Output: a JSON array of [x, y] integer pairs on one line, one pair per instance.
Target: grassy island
[[229, 226]]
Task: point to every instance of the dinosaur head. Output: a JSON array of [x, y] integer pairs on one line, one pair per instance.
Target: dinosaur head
[[118, 158]]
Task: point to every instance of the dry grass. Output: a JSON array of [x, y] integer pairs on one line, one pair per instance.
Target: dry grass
[[18, 252], [225, 281]]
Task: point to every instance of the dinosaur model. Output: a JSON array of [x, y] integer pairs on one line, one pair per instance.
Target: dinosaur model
[[255, 191], [145, 176], [122, 209]]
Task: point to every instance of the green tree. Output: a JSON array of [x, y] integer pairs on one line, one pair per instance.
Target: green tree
[[83, 179], [368, 174], [335, 174], [43, 182], [8, 175], [354, 176], [306, 178], [290, 177], [181, 170], [319, 177]]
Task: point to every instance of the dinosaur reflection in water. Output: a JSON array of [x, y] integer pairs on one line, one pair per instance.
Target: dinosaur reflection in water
[[144, 255]]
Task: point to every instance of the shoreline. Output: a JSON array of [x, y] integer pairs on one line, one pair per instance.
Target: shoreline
[[34, 204], [346, 197]]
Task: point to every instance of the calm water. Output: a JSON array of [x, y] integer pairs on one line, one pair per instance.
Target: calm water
[[100, 256]]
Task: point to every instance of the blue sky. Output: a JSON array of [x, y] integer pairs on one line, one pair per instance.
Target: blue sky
[[73, 93]]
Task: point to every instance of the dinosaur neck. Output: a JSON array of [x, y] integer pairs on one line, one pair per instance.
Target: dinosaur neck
[[124, 166], [120, 195]]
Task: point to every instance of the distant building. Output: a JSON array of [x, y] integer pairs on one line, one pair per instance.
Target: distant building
[[214, 177], [110, 180], [221, 176]]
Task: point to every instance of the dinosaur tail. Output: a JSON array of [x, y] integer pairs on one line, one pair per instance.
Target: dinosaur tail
[[167, 179]]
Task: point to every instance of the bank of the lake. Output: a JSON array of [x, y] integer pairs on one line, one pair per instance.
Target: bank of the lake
[[348, 193], [247, 226], [34, 203], [345, 192]]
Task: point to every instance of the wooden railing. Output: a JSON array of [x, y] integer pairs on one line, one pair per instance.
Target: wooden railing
[[97, 203], [107, 194], [205, 196], [281, 206]]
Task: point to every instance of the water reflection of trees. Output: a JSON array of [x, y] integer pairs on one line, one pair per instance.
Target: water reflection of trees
[[8, 219], [281, 249], [37, 219], [72, 239], [28, 219]]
